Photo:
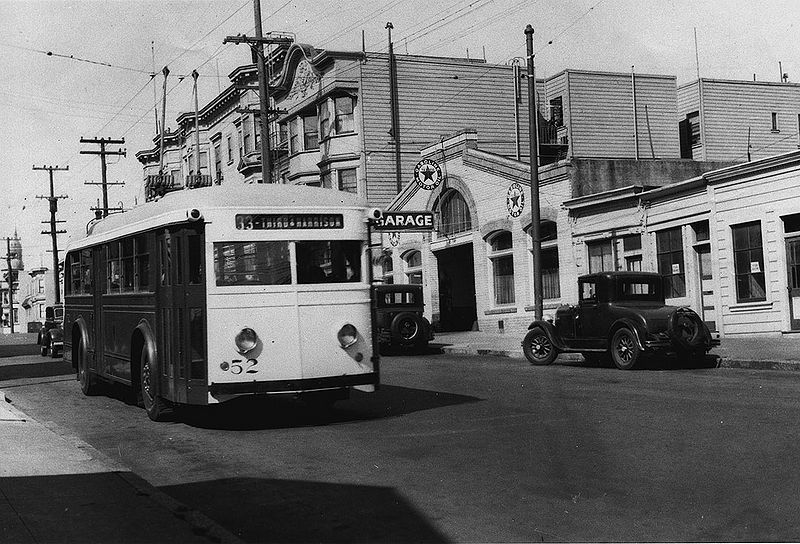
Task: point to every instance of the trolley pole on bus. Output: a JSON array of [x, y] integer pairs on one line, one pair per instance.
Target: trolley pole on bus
[[536, 236]]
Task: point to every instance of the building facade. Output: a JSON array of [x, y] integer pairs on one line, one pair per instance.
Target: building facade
[[726, 120], [727, 242], [476, 267]]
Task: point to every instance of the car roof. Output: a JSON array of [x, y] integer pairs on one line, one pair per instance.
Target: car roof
[[397, 287], [621, 274]]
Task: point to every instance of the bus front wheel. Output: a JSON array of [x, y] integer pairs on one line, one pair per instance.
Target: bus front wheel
[[155, 406], [89, 385]]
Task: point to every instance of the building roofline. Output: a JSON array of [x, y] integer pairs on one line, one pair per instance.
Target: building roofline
[[604, 73], [787, 84]]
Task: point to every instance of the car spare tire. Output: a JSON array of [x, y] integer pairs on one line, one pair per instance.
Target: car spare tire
[[406, 328], [686, 329]]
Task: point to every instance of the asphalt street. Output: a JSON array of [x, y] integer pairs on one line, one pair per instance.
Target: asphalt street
[[468, 449]]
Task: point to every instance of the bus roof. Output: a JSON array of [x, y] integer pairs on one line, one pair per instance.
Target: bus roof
[[172, 208]]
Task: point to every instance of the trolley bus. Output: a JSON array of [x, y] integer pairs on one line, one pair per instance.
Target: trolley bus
[[211, 293]]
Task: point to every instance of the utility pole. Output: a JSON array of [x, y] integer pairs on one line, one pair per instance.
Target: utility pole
[[10, 284], [53, 199], [536, 236], [257, 45], [395, 111], [103, 152]]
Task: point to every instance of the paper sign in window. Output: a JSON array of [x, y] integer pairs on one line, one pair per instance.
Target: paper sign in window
[[676, 268], [755, 267]]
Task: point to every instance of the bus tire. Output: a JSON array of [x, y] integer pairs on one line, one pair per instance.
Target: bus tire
[[154, 405], [89, 385]]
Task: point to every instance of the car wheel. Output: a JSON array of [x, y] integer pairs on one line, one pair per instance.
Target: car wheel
[[154, 405], [625, 349], [406, 328], [538, 348], [89, 385]]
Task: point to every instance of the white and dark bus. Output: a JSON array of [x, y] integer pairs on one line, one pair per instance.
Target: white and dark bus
[[212, 293]]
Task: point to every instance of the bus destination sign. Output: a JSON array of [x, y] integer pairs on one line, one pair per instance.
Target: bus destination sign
[[407, 221], [289, 221]]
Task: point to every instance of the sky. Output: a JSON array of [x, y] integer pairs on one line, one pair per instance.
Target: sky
[[97, 81]]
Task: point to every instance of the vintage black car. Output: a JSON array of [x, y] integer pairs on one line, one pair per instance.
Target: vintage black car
[[399, 321], [621, 314], [51, 335]]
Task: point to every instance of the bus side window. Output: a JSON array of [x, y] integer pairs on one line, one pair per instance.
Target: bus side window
[[195, 250], [85, 277], [74, 274], [113, 272], [142, 263], [126, 262]]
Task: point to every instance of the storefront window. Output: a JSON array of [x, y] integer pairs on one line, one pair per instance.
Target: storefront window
[[748, 257], [601, 256], [669, 248]]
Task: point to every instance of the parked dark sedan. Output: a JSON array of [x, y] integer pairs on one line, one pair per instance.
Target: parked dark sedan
[[51, 335], [398, 316], [621, 314]]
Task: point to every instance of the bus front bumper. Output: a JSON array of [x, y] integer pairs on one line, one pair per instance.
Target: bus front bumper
[[293, 386]]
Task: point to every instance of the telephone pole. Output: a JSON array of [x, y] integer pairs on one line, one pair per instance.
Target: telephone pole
[[103, 152], [257, 45], [53, 199], [10, 271], [536, 236]]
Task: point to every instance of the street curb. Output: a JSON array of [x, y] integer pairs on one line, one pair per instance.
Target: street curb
[[723, 362], [199, 523]]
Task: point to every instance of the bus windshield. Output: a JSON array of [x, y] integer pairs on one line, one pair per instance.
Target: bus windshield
[[268, 263]]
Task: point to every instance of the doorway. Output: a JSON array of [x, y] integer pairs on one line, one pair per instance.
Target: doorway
[[457, 304]]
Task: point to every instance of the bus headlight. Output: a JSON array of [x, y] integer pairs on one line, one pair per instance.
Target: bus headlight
[[246, 340], [347, 335]]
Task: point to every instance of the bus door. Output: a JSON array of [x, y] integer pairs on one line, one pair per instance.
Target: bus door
[[181, 309]]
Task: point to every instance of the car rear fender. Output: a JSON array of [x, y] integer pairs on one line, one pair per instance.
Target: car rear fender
[[630, 324], [550, 331]]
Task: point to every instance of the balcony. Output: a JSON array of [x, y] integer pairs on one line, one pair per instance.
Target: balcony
[[553, 141], [193, 181], [157, 185]]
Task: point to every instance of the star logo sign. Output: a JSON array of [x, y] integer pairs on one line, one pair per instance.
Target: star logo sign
[[427, 174], [515, 200]]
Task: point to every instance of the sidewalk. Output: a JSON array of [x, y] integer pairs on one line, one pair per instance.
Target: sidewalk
[[55, 488], [760, 353]]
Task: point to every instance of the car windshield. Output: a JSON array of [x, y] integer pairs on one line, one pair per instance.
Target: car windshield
[[644, 289]]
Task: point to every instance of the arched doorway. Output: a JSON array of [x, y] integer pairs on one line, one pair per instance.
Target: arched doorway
[[456, 265]]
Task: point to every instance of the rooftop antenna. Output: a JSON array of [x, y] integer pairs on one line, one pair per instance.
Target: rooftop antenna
[[780, 72], [484, 53]]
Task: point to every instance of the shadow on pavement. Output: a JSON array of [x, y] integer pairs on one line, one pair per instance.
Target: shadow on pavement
[[258, 412], [83, 508], [664, 362], [431, 349], [53, 367], [267, 510], [15, 350]]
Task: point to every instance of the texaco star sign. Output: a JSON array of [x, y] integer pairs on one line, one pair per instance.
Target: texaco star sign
[[427, 174], [515, 200]]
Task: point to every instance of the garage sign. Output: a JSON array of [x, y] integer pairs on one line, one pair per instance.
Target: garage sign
[[407, 221]]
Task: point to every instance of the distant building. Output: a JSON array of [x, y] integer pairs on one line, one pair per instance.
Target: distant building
[[725, 120], [14, 248]]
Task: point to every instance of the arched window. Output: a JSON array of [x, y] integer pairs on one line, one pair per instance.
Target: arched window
[[455, 216], [501, 259], [413, 265], [387, 269]]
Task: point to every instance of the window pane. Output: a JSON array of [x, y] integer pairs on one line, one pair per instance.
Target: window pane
[[413, 259], [344, 115], [252, 263], [328, 261], [502, 241], [347, 180], [503, 279], [310, 136]]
